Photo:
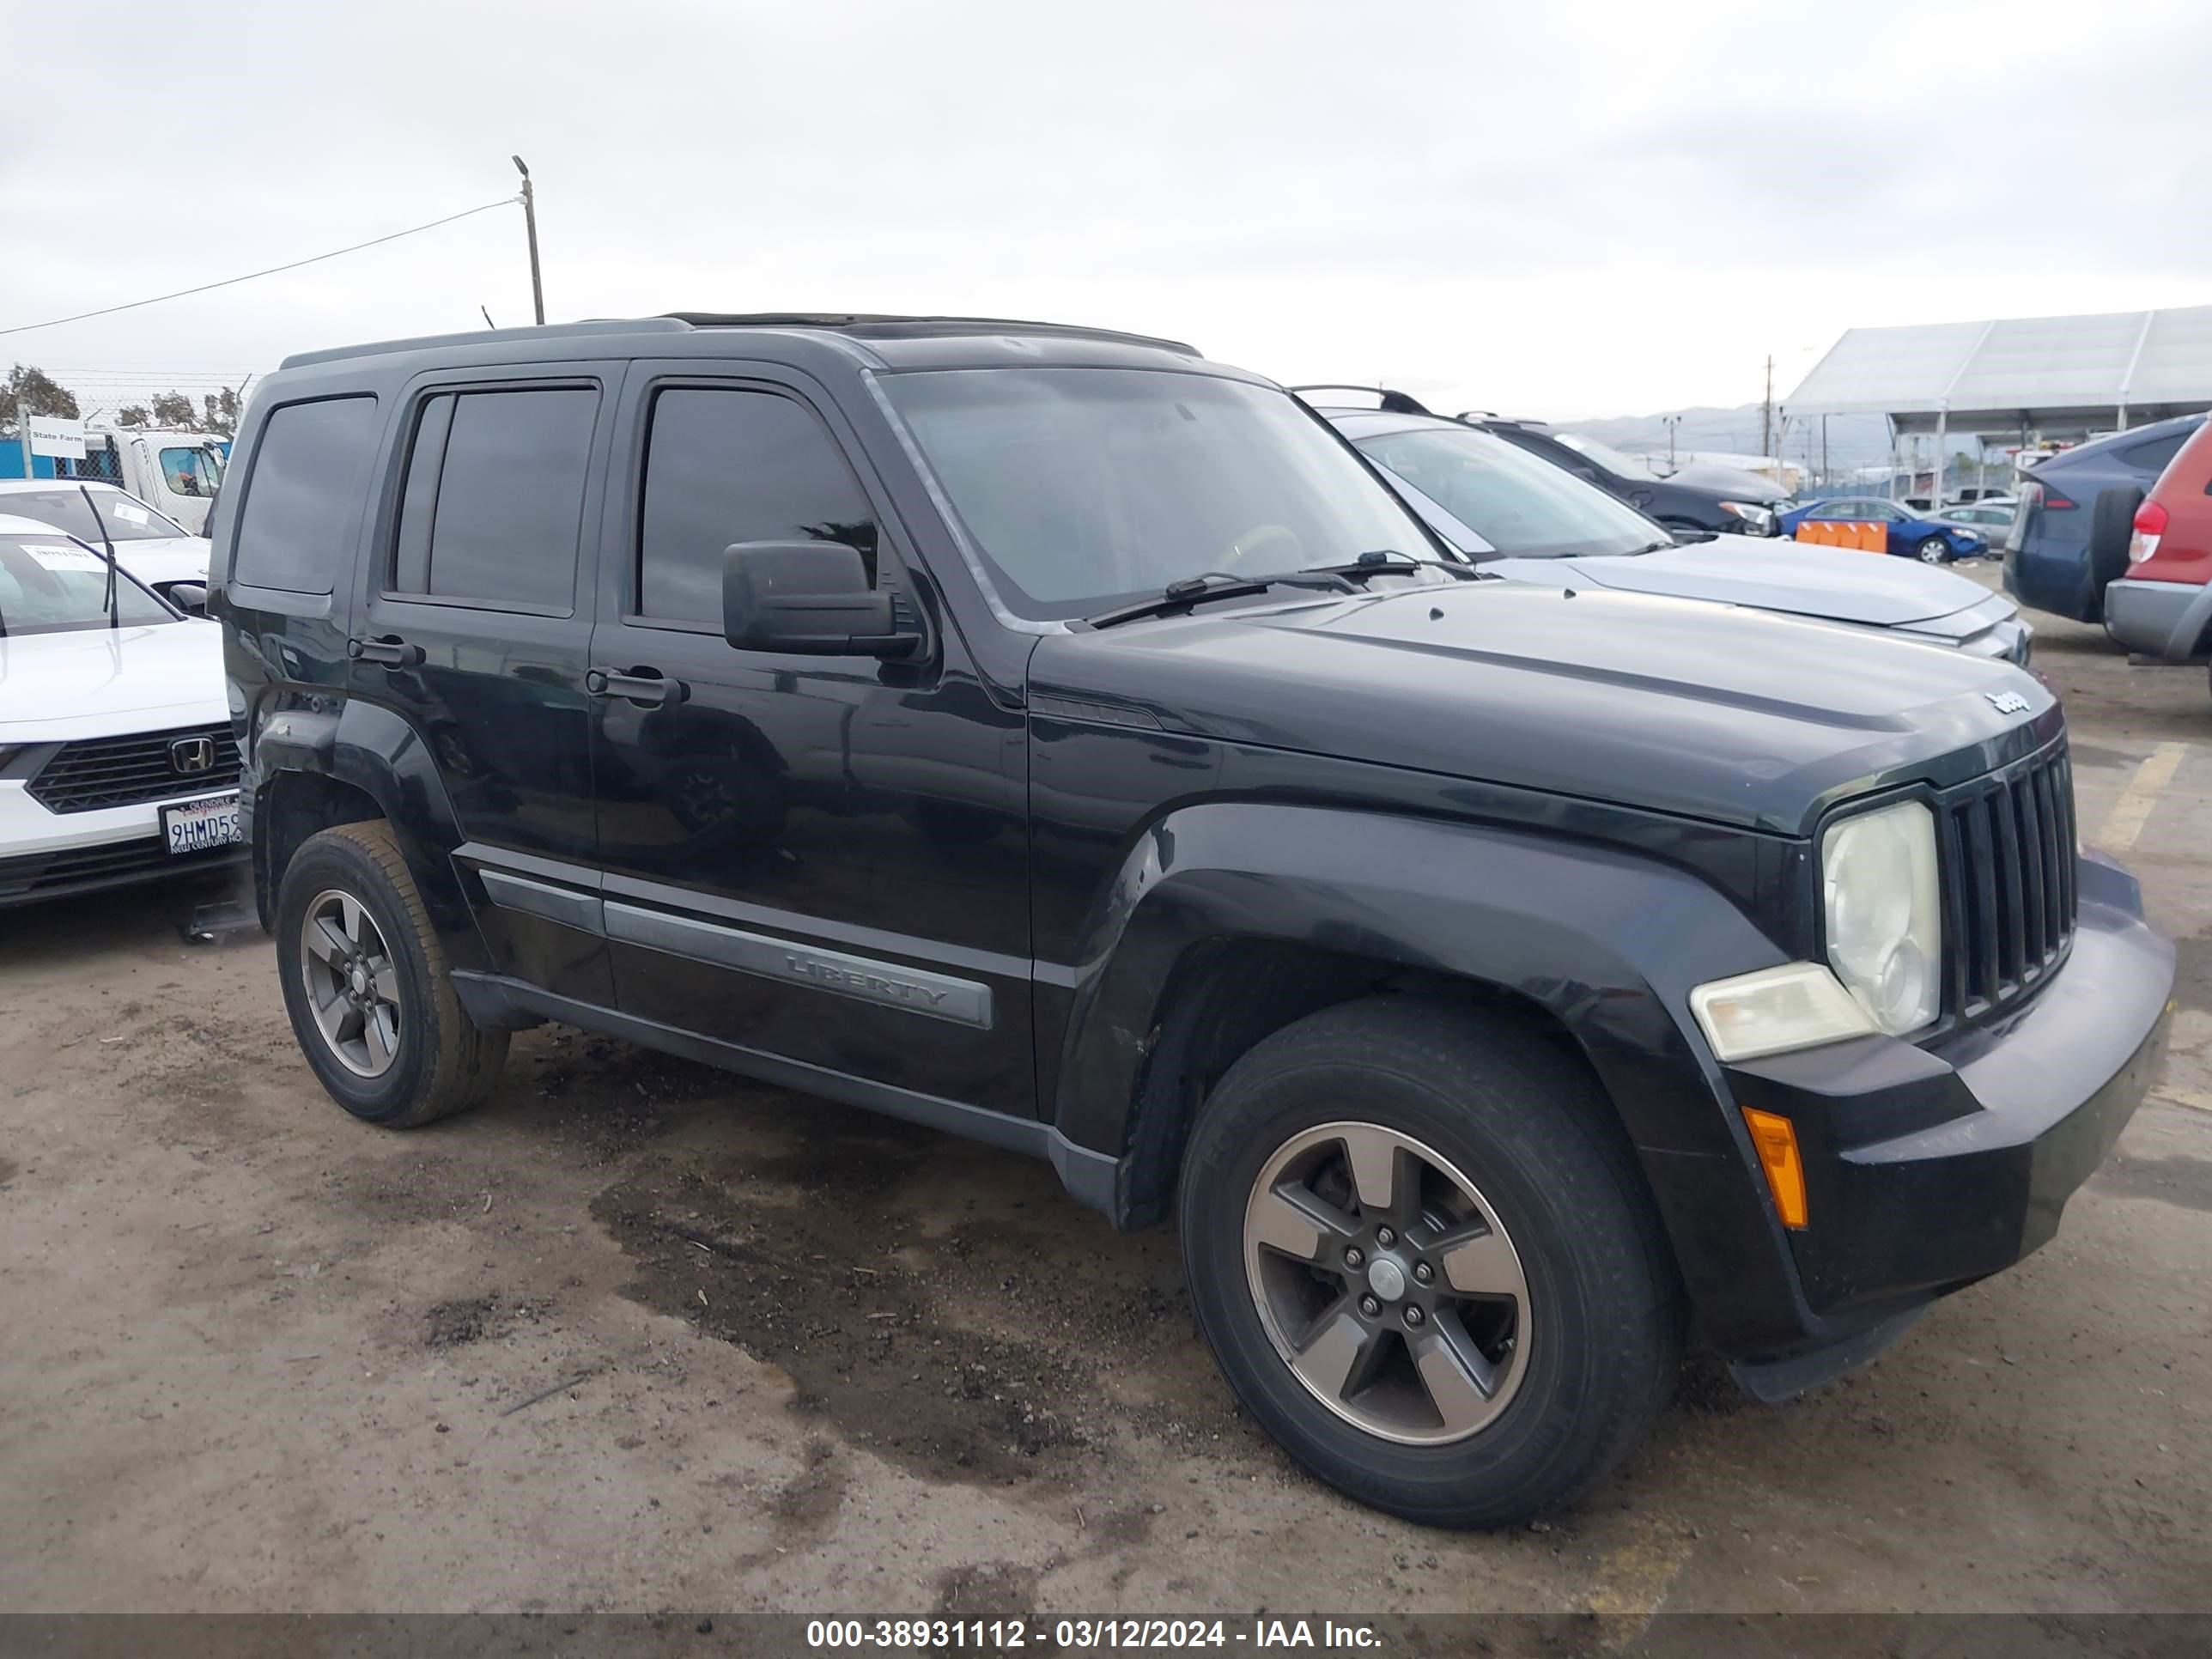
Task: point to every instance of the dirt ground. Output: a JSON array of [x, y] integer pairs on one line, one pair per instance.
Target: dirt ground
[[639, 1336]]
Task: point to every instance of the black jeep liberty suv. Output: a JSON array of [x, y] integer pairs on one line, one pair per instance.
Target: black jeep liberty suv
[[1046, 734]]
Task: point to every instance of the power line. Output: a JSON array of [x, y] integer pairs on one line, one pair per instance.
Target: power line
[[109, 311]]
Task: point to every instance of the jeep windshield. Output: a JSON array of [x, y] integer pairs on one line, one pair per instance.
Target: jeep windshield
[[1522, 505], [50, 585], [1081, 487]]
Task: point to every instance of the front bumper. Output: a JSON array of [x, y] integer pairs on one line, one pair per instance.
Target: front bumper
[[1928, 1168], [2160, 619], [52, 855]]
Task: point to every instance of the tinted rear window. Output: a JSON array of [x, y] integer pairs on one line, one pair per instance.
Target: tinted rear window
[[303, 497], [495, 496], [2152, 457]]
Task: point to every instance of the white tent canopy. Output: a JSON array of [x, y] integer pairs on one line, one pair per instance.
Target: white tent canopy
[[2058, 376]]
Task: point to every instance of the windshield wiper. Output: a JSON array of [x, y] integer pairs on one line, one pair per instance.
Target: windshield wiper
[[1217, 584], [1349, 577], [114, 608]]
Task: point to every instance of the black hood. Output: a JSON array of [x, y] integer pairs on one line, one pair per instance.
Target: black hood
[[1671, 706]]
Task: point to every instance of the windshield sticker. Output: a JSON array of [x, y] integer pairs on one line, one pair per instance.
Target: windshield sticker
[[130, 513], [60, 556]]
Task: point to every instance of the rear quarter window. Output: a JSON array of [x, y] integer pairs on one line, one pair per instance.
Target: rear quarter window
[[303, 494], [2152, 457]]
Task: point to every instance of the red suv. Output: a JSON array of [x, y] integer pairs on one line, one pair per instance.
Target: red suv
[[2163, 606]]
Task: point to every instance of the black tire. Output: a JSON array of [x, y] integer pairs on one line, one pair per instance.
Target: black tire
[[2112, 527], [1533, 1129], [442, 1063]]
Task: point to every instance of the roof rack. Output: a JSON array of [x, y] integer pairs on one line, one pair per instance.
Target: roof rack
[[1391, 403], [865, 325], [484, 337]]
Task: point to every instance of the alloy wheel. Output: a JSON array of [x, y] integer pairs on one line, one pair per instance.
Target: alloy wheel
[[352, 983], [1387, 1283]]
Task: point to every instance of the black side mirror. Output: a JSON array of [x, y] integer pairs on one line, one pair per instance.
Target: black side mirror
[[191, 597], [813, 597]]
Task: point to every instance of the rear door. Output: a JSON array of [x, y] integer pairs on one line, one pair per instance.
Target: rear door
[[817, 858], [473, 625]]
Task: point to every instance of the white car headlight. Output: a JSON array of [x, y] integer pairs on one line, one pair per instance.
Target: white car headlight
[[1885, 914]]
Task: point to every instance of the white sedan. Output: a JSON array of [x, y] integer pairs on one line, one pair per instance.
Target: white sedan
[[159, 551], [117, 762]]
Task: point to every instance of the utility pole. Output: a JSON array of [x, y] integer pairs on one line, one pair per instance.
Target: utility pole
[[530, 226], [1767, 412], [1824, 452], [1672, 421]]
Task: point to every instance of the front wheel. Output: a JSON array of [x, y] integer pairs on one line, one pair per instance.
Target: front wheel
[[1422, 1253], [1935, 551]]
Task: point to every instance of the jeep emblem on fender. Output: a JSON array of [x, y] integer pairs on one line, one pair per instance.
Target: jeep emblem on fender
[[2007, 702], [192, 754]]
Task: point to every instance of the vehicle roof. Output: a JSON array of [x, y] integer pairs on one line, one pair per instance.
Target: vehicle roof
[[1357, 423], [2097, 448], [20, 486], [868, 339]]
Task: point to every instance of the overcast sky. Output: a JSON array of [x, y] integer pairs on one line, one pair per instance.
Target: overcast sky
[[1548, 210]]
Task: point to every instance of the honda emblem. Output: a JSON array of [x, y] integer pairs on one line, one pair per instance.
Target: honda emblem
[[191, 755]]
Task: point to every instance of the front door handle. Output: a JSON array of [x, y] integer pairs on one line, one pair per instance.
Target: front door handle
[[387, 648], [641, 685]]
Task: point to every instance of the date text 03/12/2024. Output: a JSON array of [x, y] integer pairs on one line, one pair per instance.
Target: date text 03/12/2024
[[1064, 1634]]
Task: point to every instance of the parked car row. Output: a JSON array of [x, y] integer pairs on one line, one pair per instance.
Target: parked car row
[[155, 549], [1049, 735], [1516, 515]]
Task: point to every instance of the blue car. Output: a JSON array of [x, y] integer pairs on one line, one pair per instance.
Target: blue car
[[1931, 541], [2077, 513]]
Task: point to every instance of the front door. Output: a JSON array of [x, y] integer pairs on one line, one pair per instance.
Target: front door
[[821, 859], [473, 627]]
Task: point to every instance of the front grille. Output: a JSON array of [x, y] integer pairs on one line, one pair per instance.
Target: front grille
[[85, 869], [2008, 897], [96, 772]]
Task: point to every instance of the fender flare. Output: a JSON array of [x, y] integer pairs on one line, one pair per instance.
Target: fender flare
[[371, 749], [1610, 942]]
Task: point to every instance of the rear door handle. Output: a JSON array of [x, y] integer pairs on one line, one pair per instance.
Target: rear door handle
[[389, 649], [641, 685]]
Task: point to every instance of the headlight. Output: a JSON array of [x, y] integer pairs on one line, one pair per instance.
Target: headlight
[[1885, 922], [1758, 520]]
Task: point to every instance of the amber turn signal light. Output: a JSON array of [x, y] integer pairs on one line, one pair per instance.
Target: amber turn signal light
[[1775, 1138]]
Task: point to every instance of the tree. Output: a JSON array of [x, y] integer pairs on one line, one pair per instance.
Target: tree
[[172, 409], [35, 391], [220, 416], [134, 415]]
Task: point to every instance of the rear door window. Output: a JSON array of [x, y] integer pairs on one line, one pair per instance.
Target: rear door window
[[492, 510], [303, 497]]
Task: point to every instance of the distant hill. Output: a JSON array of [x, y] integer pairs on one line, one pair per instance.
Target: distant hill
[[1854, 441]]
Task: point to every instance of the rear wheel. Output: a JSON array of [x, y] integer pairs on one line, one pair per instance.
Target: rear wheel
[[1420, 1250], [2112, 527], [366, 984]]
